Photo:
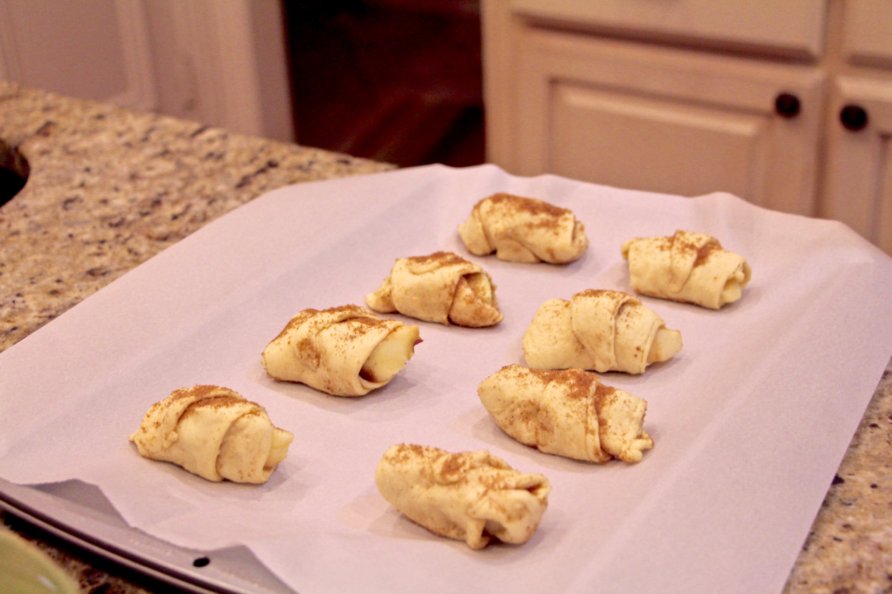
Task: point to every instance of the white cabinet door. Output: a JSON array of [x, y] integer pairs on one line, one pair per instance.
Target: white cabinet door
[[658, 119], [858, 170]]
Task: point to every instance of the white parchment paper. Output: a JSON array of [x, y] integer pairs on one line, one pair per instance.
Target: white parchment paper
[[750, 420]]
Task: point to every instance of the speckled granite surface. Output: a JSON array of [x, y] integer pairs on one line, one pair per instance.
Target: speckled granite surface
[[110, 188]]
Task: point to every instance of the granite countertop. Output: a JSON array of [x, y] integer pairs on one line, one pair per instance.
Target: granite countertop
[[110, 188]]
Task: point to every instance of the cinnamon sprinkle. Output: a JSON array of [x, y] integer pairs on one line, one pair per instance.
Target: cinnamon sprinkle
[[213, 402], [578, 382], [706, 250], [532, 206], [703, 251], [440, 258]]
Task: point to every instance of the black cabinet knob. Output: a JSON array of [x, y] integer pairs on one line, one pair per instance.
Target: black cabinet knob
[[853, 117], [787, 105]]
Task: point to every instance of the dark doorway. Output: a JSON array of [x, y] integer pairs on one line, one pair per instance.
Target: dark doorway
[[392, 80]]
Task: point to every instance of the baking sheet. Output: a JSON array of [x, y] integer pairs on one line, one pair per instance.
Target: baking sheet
[[80, 514], [750, 420]]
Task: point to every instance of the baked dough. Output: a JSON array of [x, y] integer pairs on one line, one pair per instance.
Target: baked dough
[[213, 432], [599, 330], [469, 496], [569, 413], [441, 287], [343, 351], [520, 229], [689, 267]]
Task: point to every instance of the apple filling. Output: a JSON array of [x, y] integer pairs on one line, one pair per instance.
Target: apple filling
[[390, 355], [278, 447], [666, 344], [733, 289]]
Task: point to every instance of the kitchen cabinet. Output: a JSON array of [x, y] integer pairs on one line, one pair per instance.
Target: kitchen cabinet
[[696, 96], [858, 187], [858, 165]]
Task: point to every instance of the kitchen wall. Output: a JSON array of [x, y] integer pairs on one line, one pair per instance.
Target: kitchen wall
[[219, 62]]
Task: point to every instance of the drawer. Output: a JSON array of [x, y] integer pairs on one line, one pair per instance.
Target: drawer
[[867, 33], [781, 27]]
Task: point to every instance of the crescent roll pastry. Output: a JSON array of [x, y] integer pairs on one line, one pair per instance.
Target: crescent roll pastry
[[599, 330], [442, 287], [343, 351], [469, 496], [689, 267], [213, 432], [520, 229], [569, 413]]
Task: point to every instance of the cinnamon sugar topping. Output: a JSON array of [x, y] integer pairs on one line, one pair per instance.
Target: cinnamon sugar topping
[[528, 205], [579, 383], [687, 242], [439, 258], [706, 250]]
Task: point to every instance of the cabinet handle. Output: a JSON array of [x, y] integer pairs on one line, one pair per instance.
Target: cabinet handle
[[853, 117], [787, 105]]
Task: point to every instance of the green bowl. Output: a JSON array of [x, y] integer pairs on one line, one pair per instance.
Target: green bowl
[[25, 569]]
